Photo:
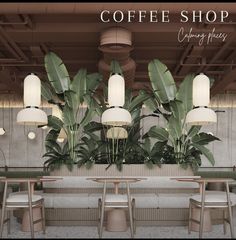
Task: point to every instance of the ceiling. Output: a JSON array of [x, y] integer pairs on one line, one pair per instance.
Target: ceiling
[[72, 30]]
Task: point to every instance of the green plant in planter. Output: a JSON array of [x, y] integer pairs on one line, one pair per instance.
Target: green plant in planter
[[69, 95], [186, 144], [116, 151]]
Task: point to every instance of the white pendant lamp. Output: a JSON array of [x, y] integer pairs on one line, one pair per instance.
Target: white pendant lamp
[[116, 117], [201, 90], [31, 114], [117, 133], [31, 135], [2, 131], [116, 90], [201, 114]]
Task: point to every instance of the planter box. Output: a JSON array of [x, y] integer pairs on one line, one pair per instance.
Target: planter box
[[128, 170]]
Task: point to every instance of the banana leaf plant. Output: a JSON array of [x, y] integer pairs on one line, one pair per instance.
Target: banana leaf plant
[[69, 95], [187, 142], [116, 151]]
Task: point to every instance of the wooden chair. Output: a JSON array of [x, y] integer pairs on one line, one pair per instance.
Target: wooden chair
[[109, 201], [206, 200], [21, 200]]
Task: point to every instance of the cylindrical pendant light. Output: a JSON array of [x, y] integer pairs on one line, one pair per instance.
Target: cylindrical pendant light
[[201, 90], [116, 117], [31, 114], [116, 90], [32, 91], [201, 114], [117, 133]]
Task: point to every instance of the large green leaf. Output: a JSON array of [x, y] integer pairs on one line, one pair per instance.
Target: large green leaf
[[71, 99], [151, 103], [138, 101], [184, 93], [78, 84], [177, 109], [93, 81], [46, 91], [90, 112], [93, 126], [68, 116], [57, 73], [162, 81], [51, 138], [194, 130], [159, 133], [174, 127], [204, 138], [205, 152], [55, 123], [147, 145]]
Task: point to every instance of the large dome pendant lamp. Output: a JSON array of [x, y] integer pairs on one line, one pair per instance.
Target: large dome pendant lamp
[[31, 114], [201, 114], [116, 115]]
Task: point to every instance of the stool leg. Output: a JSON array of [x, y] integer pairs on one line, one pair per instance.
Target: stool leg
[[102, 209], [99, 213], [3, 209], [189, 217], [230, 211], [201, 221], [31, 221], [30, 210], [224, 221], [131, 220], [101, 221], [130, 211], [133, 211], [43, 217], [231, 222], [9, 221]]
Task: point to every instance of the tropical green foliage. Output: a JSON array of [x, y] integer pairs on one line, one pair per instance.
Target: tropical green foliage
[[185, 143], [87, 143], [69, 96]]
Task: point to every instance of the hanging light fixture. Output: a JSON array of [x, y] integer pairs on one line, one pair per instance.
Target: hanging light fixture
[[201, 114], [31, 135], [116, 90], [31, 114], [117, 133], [116, 115], [2, 131]]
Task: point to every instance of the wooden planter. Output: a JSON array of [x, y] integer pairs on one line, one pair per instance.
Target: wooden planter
[[128, 170]]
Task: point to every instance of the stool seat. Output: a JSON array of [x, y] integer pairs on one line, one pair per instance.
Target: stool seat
[[22, 198], [211, 198]]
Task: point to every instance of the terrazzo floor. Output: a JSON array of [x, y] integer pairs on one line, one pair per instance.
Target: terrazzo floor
[[91, 232]]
